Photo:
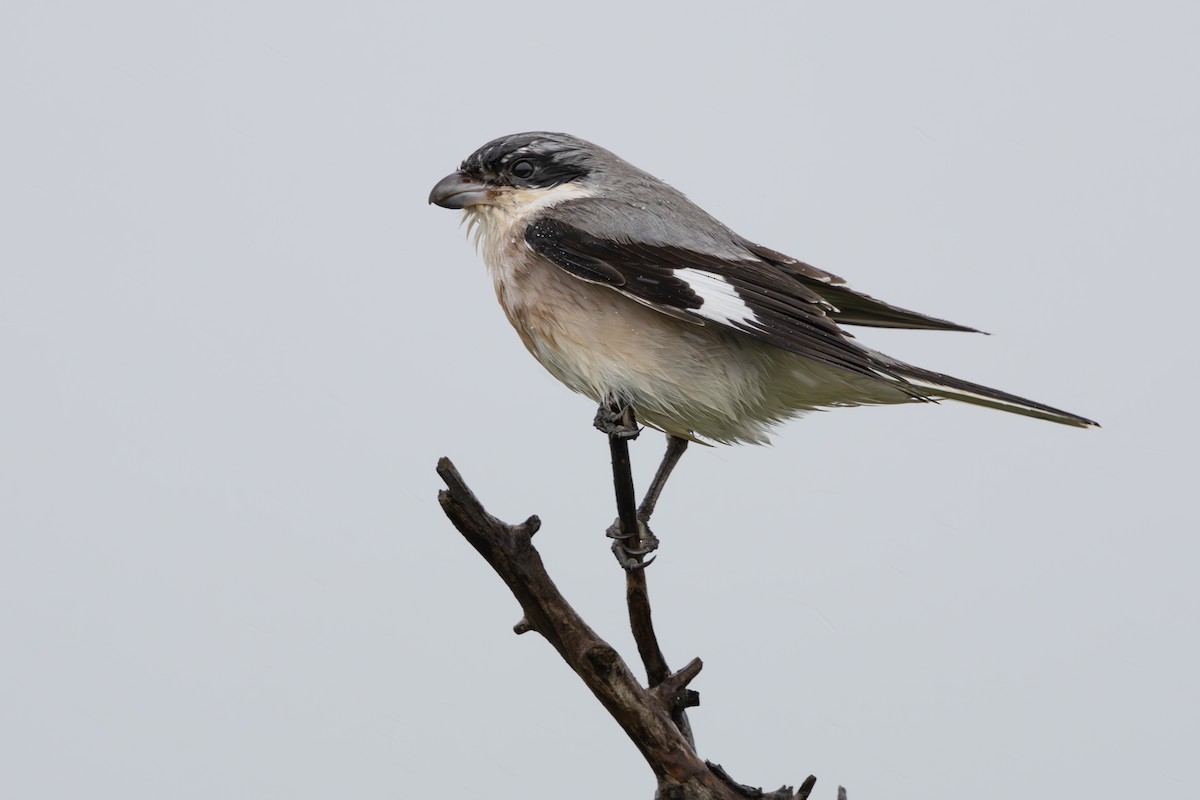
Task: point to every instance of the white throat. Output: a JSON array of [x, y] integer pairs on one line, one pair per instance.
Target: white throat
[[500, 225]]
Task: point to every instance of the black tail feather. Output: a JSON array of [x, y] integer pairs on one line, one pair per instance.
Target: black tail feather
[[947, 386]]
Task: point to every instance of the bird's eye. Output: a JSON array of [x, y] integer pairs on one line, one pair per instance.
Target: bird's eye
[[523, 169]]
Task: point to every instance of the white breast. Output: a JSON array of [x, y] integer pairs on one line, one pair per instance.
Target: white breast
[[682, 378]]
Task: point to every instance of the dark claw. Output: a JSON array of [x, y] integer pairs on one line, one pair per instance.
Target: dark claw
[[630, 558], [616, 420], [627, 563], [614, 531]]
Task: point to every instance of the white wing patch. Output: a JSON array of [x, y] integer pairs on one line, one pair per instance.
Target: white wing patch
[[721, 301]]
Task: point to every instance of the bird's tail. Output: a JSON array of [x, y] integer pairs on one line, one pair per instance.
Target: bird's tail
[[937, 385]]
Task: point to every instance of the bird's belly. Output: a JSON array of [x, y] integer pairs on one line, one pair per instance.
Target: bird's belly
[[686, 379], [602, 344]]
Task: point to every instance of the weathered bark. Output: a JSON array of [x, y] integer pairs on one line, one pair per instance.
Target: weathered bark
[[651, 717]]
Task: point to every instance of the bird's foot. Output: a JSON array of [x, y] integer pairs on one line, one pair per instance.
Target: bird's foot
[[633, 558], [616, 419]]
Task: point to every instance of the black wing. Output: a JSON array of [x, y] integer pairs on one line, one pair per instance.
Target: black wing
[[752, 296], [851, 307]]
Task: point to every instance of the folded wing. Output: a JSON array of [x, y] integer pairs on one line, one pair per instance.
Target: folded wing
[[769, 297]]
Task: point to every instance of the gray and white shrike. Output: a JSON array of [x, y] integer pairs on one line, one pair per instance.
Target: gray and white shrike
[[629, 293]]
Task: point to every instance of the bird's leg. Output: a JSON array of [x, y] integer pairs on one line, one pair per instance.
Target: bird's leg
[[630, 554], [676, 447], [632, 540], [616, 419]]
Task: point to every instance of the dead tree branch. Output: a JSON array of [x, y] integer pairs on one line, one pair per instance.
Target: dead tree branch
[[644, 714]]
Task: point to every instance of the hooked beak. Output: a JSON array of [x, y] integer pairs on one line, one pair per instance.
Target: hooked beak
[[458, 191]]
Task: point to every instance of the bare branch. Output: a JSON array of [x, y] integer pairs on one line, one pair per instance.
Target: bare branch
[[510, 552], [645, 716]]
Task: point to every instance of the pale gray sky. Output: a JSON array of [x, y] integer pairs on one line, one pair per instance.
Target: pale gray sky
[[235, 340]]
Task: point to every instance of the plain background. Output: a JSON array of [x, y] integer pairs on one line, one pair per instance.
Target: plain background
[[235, 340]]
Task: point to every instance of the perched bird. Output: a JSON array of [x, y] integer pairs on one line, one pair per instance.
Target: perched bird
[[632, 295]]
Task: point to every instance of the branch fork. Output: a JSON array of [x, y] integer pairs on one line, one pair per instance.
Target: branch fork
[[654, 716]]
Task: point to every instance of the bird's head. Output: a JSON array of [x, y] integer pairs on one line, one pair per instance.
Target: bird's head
[[524, 171]]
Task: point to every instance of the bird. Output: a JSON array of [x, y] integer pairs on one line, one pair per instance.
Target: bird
[[632, 295]]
